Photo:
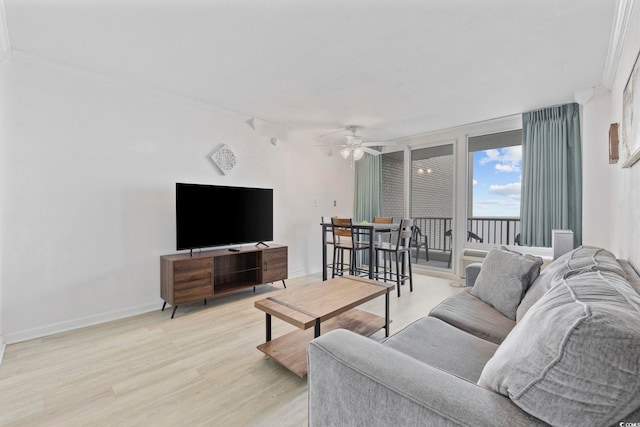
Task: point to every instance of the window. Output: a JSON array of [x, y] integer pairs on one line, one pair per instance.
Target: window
[[493, 215]]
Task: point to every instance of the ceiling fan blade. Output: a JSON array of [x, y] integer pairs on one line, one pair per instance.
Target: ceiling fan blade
[[377, 144], [330, 145], [331, 133], [370, 151]]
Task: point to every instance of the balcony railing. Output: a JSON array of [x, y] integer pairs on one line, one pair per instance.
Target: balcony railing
[[494, 231], [434, 230]]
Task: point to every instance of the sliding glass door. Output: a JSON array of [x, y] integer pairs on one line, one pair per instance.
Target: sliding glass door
[[432, 205], [461, 186], [419, 183]]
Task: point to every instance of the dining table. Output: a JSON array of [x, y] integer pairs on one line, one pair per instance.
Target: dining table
[[364, 227]]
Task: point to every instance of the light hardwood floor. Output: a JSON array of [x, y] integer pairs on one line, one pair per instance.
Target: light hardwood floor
[[201, 368]]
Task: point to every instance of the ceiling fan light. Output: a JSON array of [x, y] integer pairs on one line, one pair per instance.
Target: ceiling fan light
[[345, 153], [353, 140], [357, 154]]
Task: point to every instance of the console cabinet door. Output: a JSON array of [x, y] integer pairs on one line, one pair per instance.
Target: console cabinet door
[[192, 280], [274, 265]]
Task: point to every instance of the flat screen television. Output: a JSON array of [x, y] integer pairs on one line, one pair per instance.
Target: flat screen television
[[212, 215]]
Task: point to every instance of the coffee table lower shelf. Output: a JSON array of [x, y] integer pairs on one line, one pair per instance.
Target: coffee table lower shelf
[[290, 350]]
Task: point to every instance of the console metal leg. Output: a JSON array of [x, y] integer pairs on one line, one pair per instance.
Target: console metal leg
[[317, 328], [268, 323], [163, 306], [174, 311], [284, 284], [205, 301]]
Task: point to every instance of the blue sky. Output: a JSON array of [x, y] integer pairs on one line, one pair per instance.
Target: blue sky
[[496, 182]]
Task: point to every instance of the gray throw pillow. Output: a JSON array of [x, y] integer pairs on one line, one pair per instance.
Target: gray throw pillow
[[504, 278]]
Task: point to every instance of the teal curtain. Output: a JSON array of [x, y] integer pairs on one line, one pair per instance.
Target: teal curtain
[[551, 174], [367, 192], [367, 188]]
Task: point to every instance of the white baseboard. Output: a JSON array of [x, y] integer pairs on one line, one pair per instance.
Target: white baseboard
[[80, 323], [2, 347], [304, 272], [69, 325]]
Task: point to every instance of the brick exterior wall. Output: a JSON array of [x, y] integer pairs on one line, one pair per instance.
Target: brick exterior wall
[[392, 187], [432, 194]]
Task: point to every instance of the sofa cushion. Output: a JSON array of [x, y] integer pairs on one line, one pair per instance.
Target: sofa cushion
[[574, 358], [443, 346], [587, 258], [504, 278], [472, 315]]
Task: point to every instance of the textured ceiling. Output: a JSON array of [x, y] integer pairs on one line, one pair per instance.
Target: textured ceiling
[[397, 68]]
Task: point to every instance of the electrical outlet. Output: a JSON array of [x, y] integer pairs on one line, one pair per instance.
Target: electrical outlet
[[316, 203], [335, 203]]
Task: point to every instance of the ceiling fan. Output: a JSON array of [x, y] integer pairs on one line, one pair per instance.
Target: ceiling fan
[[353, 147]]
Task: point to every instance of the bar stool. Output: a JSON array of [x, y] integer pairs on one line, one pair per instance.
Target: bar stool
[[401, 249], [345, 239], [383, 220], [328, 237]]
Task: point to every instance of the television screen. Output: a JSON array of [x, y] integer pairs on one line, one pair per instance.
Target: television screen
[[211, 215]]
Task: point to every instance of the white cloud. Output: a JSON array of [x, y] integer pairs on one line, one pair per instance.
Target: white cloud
[[508, 159], [509, 190], [512, 154], [501, 167], [475, 182], [503, 203], [491, 156]]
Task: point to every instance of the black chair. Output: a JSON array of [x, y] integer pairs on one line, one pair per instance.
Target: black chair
[[473, 236], [402, 251], [345, 239], [418, 241], [448, 235]]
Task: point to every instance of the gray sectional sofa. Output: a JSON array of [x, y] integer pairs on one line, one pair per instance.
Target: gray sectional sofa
[[515, 347]]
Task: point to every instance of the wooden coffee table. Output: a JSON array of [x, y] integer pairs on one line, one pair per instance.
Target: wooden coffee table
[[325, 305]]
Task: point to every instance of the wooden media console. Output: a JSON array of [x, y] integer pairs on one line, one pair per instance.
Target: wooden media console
[[186, 278]]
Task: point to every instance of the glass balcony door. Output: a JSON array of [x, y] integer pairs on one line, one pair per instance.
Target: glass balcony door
[[432, 205], [493, 208]]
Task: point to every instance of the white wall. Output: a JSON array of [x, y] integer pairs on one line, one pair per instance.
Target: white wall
[[626, 182], [89, 166], [2, 188], [597, 196]]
